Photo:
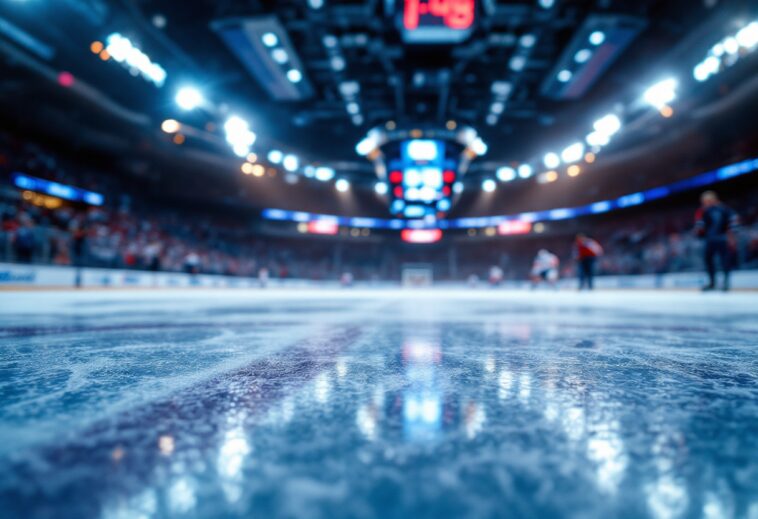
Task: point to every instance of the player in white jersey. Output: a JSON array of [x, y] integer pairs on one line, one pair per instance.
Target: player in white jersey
[[545, 268]]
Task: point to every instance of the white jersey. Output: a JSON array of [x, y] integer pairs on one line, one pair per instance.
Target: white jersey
[[545, 261]]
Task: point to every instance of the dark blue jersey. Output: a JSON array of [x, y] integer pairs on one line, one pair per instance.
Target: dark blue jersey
[[715, 222]]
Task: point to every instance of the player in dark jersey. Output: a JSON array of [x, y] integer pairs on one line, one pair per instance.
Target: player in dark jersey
[[713, 223]]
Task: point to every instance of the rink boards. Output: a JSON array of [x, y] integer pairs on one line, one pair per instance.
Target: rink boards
[[36, 276]]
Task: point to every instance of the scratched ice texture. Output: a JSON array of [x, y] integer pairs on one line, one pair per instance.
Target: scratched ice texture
[[378, 404]]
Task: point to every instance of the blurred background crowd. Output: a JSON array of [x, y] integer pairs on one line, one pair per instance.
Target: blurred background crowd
[[136, 232]]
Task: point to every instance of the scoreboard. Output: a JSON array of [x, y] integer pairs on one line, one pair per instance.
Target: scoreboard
[[421, 177], [434, 21]]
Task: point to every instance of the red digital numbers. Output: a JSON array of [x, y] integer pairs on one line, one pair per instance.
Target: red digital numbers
[[455, 14]]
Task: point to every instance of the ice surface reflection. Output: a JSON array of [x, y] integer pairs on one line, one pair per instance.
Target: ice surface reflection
[[434, 416]]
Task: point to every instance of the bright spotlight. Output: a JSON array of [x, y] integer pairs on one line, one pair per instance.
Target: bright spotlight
[[458, 188], [564, 76], [607, 125], [525, 171], [546, 4], [324, 174], [275, 156], [489, 185], [294, 75], [506, 174], [583, 56], [551, 160], [381, 188], [662, 93], [365, 147], [353, 108], [573, 153], [171, 126], [748, 36], [280, 56], [270, 39], [597, 38], [290, 163], [238, 135], [479, 146], [342, 185], [189, 98]]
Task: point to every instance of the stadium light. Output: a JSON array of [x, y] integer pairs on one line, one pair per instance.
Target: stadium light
[[564, 76], [324, 174], [525, 171], [123, 51], [366, 146], [238, 135], [661, 94], [607, 125], [294, 75], [189, 98], [270, 39], [479, 146], [748, 36], [275, 156], [280, 56], [597, 38], [458, 188], [506, 174], [573, 153], [583, 56], [551, 160], [290, 163], [342, 185], [489, 185], [381, 188], [171, 126]]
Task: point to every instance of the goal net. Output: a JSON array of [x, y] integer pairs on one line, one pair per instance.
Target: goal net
[[417, 275]]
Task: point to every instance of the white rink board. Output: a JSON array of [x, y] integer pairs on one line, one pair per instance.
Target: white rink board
[[36, 276]]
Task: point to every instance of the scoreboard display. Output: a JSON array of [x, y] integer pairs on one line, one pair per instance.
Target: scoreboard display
[[435, 21], [421, 179]]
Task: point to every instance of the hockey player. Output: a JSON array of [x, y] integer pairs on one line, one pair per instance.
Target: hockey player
[[714, 223], [545, 268], [586, 252]]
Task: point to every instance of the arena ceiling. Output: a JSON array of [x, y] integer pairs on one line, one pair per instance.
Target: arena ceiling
[[505, 76]]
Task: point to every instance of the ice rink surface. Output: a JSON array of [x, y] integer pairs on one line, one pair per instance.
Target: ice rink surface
[[378, 404]]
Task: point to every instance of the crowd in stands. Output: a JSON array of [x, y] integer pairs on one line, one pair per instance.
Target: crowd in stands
[[129, 233]]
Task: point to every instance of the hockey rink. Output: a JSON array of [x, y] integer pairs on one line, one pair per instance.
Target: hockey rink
[[378, 404]]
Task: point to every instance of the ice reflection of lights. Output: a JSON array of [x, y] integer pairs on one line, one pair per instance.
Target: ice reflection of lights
[[489, 364], [427, 408], [607, 450], [525, 388], [504, 382], [573, 423], [667, 498], [366, 421], [715, 508], [141, 506], [166, 444], [231, 457], [181, 496], [322, 388], [420, 351], [474, 419], [341, 368]]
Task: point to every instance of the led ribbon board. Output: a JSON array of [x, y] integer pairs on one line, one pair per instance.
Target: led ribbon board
[[727, 172], [74, 194], [435, 21]]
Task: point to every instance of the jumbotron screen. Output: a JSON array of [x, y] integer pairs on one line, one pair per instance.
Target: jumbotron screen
[[421, 179]]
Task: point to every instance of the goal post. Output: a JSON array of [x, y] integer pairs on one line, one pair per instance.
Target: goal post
[[417, 275]]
